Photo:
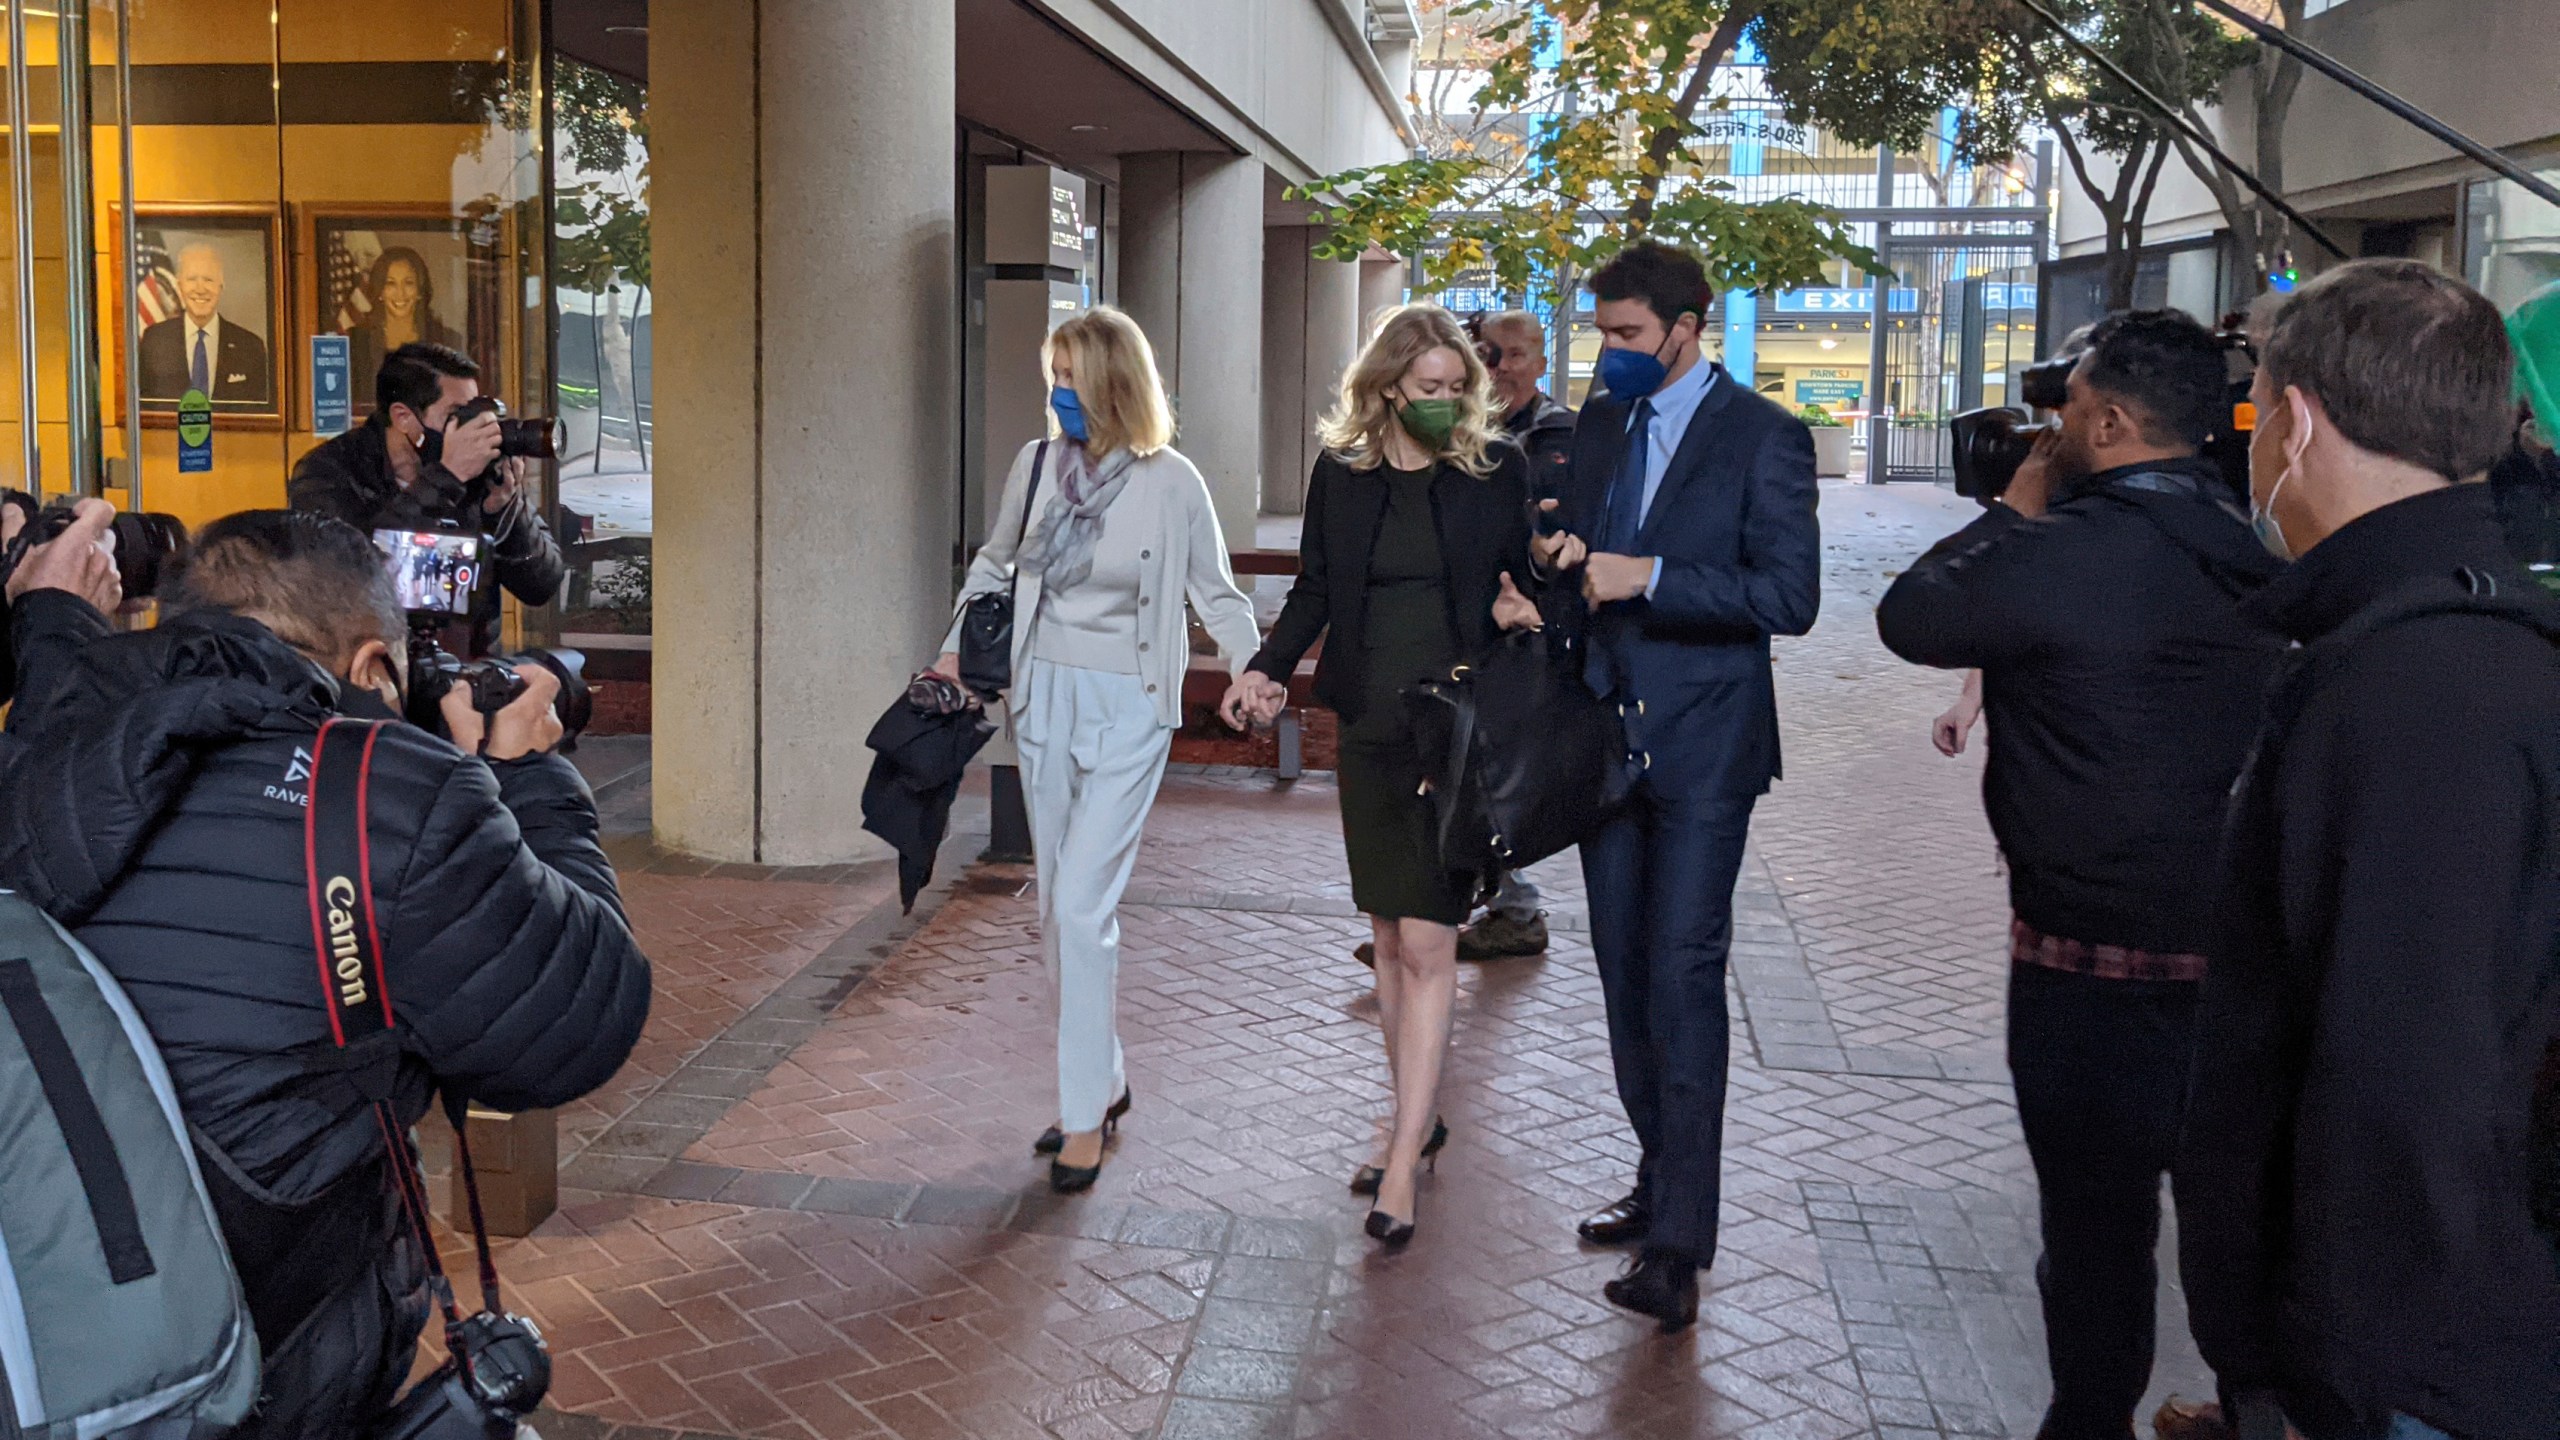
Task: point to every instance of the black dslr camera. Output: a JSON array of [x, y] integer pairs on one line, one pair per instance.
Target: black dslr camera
[[148, 545], [435, 573], [530, 437], [498, 1373]]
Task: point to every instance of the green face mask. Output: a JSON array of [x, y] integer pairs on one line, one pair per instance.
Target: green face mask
[[1429, 421]]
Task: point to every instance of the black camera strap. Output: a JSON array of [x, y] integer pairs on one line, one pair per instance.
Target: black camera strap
[[347, 939]]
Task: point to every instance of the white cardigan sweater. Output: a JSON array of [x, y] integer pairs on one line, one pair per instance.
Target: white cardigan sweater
[[1182, 556]]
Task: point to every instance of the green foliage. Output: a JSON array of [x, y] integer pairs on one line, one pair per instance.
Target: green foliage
[[625, 592], [1815, 417], [600, 228], [1585, 168]]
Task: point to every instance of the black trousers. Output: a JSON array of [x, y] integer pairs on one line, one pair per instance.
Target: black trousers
[[1661, 883], [2101, 1073]]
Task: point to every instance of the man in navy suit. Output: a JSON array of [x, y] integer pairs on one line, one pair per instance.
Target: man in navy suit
[[1694, 499]]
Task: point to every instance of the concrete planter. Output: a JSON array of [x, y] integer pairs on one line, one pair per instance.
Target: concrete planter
[[1831, 449]]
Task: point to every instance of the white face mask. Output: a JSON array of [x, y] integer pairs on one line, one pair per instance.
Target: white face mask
[[2262, 520]]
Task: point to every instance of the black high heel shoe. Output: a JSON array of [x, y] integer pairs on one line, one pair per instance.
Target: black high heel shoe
[[1066, 1179], [1387, 1230], [1364, 1181], [1053, 1139]]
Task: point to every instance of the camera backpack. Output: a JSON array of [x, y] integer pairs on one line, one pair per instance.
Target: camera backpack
[[120, 1315]]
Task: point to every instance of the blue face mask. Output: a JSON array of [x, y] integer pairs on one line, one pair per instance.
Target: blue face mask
[[1070, 412], [1630, 375]]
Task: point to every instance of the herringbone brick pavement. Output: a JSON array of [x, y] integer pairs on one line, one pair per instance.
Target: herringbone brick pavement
[[828, 1223]]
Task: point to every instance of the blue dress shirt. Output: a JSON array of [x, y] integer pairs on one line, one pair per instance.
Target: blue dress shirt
[[1674, 405]]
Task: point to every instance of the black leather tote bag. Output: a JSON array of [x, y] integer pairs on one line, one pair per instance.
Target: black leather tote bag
[[1522, 761], [986, 622]]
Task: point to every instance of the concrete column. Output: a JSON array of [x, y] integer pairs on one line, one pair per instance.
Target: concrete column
[[1310, 330], [806, 299], [1381, 289], [1284, 369], [1191, 275]]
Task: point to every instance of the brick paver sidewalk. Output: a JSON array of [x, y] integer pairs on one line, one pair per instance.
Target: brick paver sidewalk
[[810, 1209]]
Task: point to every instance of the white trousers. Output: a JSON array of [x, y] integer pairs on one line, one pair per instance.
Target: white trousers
[[1092, 757]]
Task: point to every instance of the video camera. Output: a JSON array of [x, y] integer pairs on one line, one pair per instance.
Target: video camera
[[1990, 444], [435, 573], [148, 544]]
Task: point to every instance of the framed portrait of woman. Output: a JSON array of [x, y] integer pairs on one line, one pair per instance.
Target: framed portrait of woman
[[386, 276], [211, 302]]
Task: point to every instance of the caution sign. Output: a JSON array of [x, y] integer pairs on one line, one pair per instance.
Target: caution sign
[[195, 433]]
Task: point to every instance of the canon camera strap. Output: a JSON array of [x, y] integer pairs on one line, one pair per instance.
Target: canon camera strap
[[347, 938]]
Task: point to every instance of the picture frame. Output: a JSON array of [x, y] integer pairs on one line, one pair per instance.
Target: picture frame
[[232, 259], [384, 274]]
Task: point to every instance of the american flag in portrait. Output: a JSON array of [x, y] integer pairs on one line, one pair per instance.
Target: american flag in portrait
[[157, 295]]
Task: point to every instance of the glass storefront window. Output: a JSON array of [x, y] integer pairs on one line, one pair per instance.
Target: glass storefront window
[[300, 169]]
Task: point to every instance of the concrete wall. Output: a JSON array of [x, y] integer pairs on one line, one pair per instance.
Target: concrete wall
[[2485, 67], [1290, 82]]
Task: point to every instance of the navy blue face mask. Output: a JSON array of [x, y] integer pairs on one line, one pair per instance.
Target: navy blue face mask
[[1631, 375], [1069, 410]]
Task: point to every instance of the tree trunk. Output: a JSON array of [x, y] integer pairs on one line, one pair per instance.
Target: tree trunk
[[1664, 144], [617, 367]]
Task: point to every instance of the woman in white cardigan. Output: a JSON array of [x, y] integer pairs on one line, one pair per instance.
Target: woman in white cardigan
[[1120, 534]]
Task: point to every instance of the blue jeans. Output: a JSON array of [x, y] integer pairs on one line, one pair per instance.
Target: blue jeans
[[2404, 1427]]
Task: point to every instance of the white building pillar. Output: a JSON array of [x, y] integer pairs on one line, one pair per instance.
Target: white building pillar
[[803, 226]]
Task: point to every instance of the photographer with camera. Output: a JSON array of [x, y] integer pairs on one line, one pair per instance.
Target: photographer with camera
[[2100, 599], [157, 806], [436, 455]]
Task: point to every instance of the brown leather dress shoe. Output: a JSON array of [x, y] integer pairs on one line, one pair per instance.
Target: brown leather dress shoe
[[1623, 1223]]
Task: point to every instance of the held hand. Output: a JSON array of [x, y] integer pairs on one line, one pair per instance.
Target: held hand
[[506, 487], [2032, 490], [1608, 579], [527, 726], [81, 560], [1515, 611], [1254, 699], [468, 448]]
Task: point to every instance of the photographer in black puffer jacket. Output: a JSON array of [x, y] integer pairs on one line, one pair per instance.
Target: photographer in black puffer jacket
[[154, 803]]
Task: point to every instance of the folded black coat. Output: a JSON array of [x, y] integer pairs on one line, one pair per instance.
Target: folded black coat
[[907, 800]]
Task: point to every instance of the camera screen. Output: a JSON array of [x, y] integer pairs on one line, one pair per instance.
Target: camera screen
[[431, 571]]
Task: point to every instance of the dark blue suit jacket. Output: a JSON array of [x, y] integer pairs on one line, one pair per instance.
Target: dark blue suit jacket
[[1735, 528]]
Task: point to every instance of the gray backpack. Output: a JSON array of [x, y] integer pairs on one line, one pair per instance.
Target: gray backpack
[[120, 1317]]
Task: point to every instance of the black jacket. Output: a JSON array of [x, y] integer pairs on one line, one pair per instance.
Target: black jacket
[[1543, 429], [2353, 1212], [1484, 534], [2121, 684], [154, 804], [350, 477], [918, 759]]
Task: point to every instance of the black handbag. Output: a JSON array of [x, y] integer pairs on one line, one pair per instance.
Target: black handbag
[[1521, 760], [986, 622]]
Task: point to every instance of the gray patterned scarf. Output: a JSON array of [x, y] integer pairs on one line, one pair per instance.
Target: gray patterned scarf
[[1061, 549]]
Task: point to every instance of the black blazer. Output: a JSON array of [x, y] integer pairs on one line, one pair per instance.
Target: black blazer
[[1484, 533], [1741, 552], [241, 377]]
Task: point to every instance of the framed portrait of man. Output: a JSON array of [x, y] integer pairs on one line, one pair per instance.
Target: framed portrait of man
[[211, 303], [388, 276]]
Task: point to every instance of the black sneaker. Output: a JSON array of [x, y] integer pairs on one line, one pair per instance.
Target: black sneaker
[[1500, 937]]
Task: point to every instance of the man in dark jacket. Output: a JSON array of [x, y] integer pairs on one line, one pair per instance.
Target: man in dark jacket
[[156, 807], [412, 467], [2122, 684], [2357, 1219]]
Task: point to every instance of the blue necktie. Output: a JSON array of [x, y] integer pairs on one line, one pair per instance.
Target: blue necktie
[[1626, 498], [201, 376]]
